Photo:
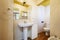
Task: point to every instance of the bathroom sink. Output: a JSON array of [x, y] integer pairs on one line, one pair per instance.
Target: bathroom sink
[[27, 24]]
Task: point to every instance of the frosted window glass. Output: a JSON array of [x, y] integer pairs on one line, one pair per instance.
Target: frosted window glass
[[17, 16]]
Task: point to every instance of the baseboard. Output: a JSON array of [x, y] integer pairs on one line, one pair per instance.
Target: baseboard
[[41, 32], [38, 34], [35, 39]]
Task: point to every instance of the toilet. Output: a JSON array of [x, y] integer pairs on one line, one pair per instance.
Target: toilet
[[46, 29], [53, 38]]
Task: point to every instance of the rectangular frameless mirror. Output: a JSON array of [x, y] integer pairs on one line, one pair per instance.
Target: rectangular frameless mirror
[[24, 15]]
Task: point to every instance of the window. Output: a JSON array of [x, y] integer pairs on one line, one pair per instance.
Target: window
[[16, 15]]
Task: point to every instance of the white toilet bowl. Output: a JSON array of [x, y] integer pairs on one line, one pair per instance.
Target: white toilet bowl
[[46, 29], [53, 38]]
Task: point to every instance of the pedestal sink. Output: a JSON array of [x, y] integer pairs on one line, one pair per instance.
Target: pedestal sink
[[25, 26]]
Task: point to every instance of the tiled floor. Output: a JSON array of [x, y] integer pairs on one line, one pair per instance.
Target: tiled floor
[[42, 36]]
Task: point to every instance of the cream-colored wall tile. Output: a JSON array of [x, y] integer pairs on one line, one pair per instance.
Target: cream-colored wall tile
[[6, 19], [55, 17]]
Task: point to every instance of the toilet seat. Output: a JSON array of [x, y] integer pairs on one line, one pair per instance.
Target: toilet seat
[[53, 38]]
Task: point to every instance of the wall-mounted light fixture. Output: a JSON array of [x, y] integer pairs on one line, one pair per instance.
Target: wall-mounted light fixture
[[24, 2]]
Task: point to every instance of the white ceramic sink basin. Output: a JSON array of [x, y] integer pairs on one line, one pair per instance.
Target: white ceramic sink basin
[[25, 24]]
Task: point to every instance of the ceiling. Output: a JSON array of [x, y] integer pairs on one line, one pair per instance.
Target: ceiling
[[32, 2], [44, 3]]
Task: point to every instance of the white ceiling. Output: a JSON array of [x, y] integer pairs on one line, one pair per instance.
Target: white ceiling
[[31, 2]]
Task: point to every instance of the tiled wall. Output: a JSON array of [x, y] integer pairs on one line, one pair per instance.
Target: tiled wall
[[43, 15], [55, 18], [6, 19]]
